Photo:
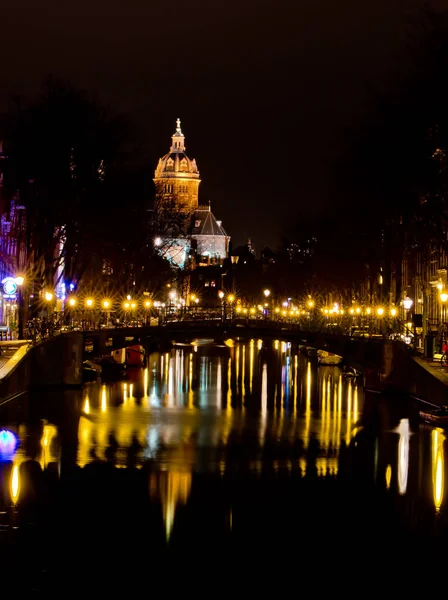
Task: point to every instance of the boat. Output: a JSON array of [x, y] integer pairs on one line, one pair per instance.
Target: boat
[[436, 416], [131, 356], [90, 371], [328, 358], [110, 369], [202, 342], [351, 372]]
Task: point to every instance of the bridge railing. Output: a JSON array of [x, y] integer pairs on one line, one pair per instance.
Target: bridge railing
[[234, 316]]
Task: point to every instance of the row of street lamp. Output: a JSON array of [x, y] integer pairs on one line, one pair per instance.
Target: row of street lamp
[[107, 304]]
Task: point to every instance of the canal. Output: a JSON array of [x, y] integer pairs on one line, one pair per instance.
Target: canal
[[242, 463]]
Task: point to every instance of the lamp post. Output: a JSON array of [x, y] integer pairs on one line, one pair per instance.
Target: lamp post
[[133, 307], [223, 312], [231, 299], [443, 299], [72, 304], [126, 306], [407, 305], [380, 313], [20, 280], [106, 306], [266, 294], [89, 306], [147, 309]]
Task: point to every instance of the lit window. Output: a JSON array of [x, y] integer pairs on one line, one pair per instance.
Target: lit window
[[206, 284], [213, 284], [197, 223]]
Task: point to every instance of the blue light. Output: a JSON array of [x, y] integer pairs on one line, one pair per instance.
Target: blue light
[[9, 286], [8, 444]]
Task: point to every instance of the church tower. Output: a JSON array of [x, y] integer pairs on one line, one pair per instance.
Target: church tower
[[177, 177]]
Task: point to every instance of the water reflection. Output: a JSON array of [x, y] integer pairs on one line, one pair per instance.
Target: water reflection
[[15, 483], [176, 436], [172, 490], [437, 466], [403, 455]]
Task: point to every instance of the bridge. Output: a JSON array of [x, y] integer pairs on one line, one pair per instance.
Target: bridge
[[365, 353]]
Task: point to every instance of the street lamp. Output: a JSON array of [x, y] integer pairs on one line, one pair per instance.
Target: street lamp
[[72, 302], [48, 296], [407, 303], [20, 280], [126, 307], [443, 299], [106, 306], [147, 306], [266, 294], [89, 302]]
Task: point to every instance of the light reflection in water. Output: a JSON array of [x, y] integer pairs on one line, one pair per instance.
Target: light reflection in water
[[47, 453], [437, 439], [218, 384], [388, 476], [145, 383], [103, 399], [173, 490], [403, 455], [15, 483], [251, 365], [204, 391], [206, 427], [308, 405]]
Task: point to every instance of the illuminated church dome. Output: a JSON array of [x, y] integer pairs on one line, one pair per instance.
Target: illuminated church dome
[[177, 177]]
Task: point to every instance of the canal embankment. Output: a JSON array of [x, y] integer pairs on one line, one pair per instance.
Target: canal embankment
[[56, 362]]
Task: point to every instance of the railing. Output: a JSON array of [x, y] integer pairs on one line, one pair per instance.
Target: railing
[[43, 329]]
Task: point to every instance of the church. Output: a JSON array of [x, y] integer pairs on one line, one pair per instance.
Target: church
[[190, 235]]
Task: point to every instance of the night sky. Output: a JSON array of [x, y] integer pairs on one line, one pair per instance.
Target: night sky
[[268, 91]]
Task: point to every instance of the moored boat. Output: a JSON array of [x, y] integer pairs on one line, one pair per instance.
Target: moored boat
[[132, 356], [437, 416], [90, 371], [328, 358]]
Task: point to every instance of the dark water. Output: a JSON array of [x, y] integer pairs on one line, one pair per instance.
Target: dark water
[[221, 468]]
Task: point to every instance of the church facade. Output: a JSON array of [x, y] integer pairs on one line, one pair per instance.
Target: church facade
[[190, 233]]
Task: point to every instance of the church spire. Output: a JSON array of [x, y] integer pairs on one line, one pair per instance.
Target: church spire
[[178, 143]]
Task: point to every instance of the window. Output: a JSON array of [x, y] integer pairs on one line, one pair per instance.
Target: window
[[213, 283], [183, 165], [197, 223]]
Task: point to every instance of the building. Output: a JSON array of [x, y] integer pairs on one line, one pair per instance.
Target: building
[[208, 237], [188, 234], [177, 177]]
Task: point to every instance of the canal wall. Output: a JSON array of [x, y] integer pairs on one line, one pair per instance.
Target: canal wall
[[403, 371], [55, 362]]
